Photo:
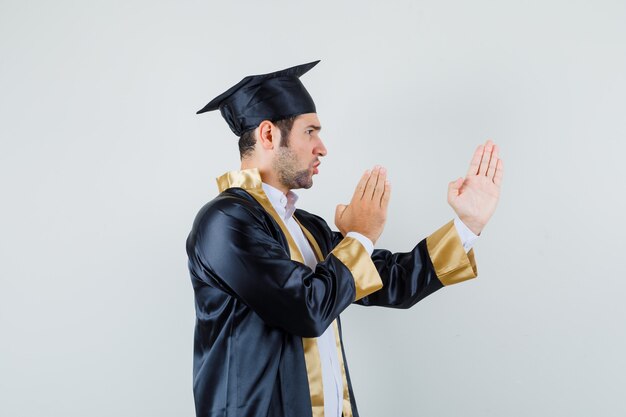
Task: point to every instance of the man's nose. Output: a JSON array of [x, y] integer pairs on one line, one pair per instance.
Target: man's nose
[[321, 149]]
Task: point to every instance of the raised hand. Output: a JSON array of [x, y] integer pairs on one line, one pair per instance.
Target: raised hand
[[367, 211], [475, 197]]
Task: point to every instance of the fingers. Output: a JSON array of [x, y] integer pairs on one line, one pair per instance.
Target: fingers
[[485, 160], [371, 184], [360, 188], [491, 170], [475, 163], [380, 184], [384, 201], [486, 157], [497, 178]]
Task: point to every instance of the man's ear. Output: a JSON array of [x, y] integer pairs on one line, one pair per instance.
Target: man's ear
[[268, 135]]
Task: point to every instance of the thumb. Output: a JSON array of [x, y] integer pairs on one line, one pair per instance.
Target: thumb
[[339, 211], [454, 187]]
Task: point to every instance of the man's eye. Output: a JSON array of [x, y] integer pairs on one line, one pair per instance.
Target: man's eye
[[309, 131]]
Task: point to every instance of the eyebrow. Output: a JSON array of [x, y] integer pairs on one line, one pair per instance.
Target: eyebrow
[[315, 127]]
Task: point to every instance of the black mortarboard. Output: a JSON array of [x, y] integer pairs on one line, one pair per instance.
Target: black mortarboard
[[274, 96]]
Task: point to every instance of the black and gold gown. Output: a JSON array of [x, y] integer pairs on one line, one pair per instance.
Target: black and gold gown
[[259, 308]]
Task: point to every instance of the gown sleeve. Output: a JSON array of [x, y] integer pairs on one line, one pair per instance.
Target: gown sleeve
[[237, 249], [436, 261]]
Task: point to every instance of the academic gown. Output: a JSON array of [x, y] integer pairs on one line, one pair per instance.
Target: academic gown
[[259, 308]]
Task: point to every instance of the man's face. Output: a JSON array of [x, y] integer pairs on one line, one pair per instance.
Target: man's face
[[296, 163]]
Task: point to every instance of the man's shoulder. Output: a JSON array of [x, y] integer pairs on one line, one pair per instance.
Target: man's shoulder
[[232, 203], [233, 214]]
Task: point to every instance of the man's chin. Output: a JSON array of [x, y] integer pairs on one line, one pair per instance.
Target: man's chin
[[309, 183], [305, 185], [304, 180]]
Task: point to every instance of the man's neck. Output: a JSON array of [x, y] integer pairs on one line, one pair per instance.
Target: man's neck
[[267, 176]]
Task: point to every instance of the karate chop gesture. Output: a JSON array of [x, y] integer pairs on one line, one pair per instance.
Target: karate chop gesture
[[474, 198], [367, 211]]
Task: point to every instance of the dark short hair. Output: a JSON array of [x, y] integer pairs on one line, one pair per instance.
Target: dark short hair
[[247, 139]]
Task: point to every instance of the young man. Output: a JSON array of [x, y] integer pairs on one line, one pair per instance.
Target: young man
[[270, 280]]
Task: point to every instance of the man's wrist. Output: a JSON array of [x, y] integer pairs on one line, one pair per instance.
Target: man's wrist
[[365, 241], [468, 237], [473, 225]]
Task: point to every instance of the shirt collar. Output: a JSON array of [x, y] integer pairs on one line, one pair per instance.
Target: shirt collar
[[250, 179], [285, 205]]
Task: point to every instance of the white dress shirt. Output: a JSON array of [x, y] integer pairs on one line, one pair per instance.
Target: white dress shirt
[[285, 206]]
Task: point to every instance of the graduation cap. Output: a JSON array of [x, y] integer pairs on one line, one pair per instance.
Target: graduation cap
[[273, 96]]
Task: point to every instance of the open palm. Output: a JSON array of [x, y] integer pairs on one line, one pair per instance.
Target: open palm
[[475, 197]]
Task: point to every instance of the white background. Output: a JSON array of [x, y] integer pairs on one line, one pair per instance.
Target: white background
[[104, 164]]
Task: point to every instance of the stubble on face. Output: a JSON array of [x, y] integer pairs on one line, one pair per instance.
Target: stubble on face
[[285, 165]]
